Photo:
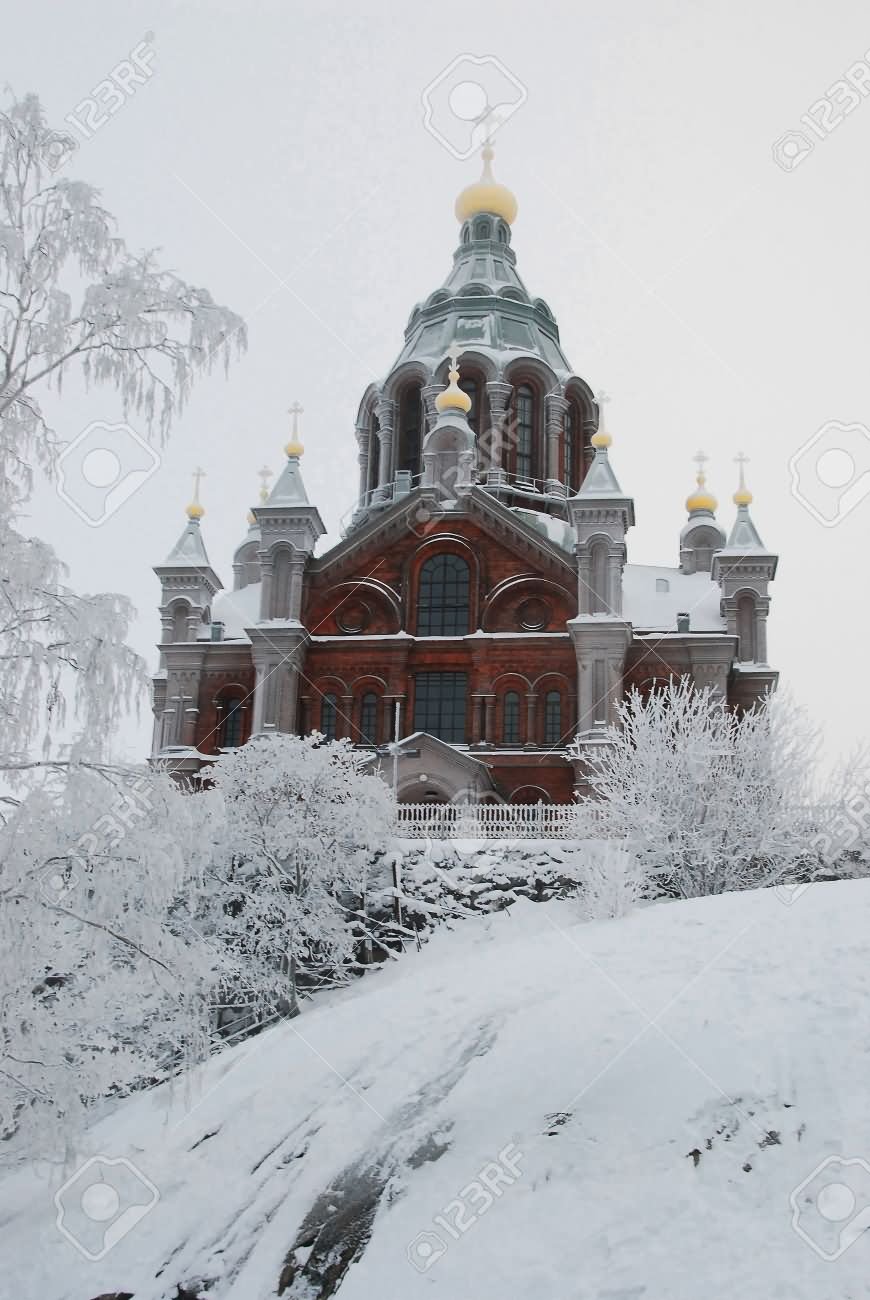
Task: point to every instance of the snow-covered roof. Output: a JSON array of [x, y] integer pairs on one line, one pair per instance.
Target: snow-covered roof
[[555, 529], [189, 550], [236, 610], [647, 603]]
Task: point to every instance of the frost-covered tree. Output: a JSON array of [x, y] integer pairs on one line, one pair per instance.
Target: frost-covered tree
[[301, 820], [106, 981], [72, 295], [707, 799]]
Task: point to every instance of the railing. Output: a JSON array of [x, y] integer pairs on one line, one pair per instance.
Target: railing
[[500, 821]]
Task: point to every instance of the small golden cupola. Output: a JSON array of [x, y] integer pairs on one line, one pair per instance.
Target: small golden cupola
[[452, 397], [487, 195], [701, 498]]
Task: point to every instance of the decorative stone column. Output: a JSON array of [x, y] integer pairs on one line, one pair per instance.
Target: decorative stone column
[[491, 445], [531, 721], [556, 410], [429, 393], [386, 417], [362, 438], [267, 568], [476, 719], [489, 731]]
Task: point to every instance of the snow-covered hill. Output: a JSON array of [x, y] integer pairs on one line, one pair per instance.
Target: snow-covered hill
[[532, 1107]]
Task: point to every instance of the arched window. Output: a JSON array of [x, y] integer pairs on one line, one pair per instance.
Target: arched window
[[525, 420], [374, 453], [410, 428], [573, 449], [552, 718], [471, 386], [232, 721], [746, 629], [180, 614], [281, 569], [598, 603], [510, 719], [443, 604], [329, 715], [368, 719]]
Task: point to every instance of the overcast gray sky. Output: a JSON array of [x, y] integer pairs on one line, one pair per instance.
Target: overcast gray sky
[[278, 156]]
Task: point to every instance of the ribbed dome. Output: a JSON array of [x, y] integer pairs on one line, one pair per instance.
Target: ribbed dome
[[486, 195]]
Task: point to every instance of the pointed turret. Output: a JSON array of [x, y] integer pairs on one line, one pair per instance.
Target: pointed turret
[[701, 535], [289, 530], [246, 560], [601, 515], [744, 570], [187, 580]]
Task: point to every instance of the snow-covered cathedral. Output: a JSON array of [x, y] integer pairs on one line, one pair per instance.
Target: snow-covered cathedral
[[480, 606]]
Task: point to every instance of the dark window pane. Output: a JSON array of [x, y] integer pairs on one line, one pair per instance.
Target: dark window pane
[[443, 603], [439, 705], [368, 718], [552, 718], [410, 425], [525, 430], [470, 387], [510, 733], [232, 720], [329, 715], [374, 454]]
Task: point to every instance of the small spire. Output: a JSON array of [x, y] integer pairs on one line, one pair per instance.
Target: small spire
[[194, 509], [701, 499], [601, 438], [294, 447], [452, 397], [742, 497]]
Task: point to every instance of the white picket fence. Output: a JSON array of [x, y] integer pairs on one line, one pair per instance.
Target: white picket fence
[[496, 821]]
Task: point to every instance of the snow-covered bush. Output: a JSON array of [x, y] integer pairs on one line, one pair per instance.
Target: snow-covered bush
[[300, 820], [706, 799], [105, 982], [611, 881]]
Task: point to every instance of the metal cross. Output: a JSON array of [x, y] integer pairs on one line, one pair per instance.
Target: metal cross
[[264, 475], [295, 410], [700, 458], [454, 352], [198, 473], [741, 459]]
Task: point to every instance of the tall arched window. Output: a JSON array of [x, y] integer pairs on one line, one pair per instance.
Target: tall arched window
[[573, 449], [329, 715], [525, 434], [410, 429], [374, 453], [180, 614], [281, 568], [232, 720], [443, 604], [510, 721], [471, 387], [368, 718], [552, 718], [598, 603], [746, 629]]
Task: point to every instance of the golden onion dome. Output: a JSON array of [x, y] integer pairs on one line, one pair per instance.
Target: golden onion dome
[[194, 509], [486, 195], [452, 397]]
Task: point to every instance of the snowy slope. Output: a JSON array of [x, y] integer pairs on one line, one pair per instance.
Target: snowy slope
[[605, 1053]]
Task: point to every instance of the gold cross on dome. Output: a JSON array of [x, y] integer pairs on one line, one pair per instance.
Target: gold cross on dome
[[700, 458], [264, 475], [454, 352], [198, 473], [295, 410]]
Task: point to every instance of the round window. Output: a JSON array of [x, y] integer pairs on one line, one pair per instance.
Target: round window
[[533, 615], [353, 617]]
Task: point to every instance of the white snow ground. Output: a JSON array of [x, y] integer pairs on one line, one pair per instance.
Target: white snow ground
[[688, 1027]]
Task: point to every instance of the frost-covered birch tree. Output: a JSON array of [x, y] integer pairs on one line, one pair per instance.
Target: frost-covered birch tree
[[73, 295], [707, 799]]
